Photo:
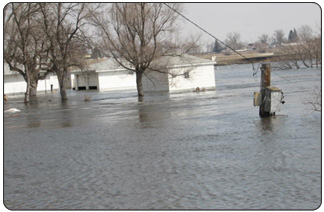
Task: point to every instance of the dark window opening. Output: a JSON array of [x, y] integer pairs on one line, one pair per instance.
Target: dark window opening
[[82, 88], [93, 88], [186, 75]]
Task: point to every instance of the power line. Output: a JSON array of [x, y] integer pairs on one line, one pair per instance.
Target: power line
[[183, 16], [281, 76]]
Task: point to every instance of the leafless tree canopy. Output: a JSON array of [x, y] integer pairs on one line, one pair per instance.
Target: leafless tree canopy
[[52, 37], [264, 39], [136, 34], [314, 99], [304, 53], [278, 37], [62, 24], [233, 39], [24, 44], [44, 36]]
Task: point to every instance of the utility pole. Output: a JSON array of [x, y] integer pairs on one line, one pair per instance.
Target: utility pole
[[265, 82], [269, 97]]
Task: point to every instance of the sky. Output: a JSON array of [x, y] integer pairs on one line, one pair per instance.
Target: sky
[[250, 20]]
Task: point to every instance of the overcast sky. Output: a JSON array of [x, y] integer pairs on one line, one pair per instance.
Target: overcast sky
[[250, 19]]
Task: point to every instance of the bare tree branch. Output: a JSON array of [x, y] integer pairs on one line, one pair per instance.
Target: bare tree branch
[[137, 34]]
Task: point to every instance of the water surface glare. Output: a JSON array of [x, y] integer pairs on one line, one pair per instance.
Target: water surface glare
[[207, 150]]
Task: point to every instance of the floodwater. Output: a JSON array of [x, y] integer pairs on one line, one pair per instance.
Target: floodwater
[[207, 150]]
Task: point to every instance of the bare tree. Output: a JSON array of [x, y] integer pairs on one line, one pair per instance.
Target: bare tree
[[62, 24], [264, 39], [191, 46], [318, 44], [318, 50], [137, 34], [305, 33], [314, 99], [278, 37], [234, 40], [306, 52], [24, 45], [288, 58], [310, 45]]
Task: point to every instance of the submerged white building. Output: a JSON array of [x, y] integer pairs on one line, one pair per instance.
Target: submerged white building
[[171, 74], [175, 73], [15, 84]]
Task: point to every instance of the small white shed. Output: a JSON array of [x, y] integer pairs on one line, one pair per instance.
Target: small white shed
[[14, 83], [183, 73]]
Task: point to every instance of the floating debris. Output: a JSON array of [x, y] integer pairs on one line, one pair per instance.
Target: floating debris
[[12, 110]]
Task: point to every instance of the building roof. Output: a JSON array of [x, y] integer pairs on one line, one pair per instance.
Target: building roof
[[109, 64], [184, 60]]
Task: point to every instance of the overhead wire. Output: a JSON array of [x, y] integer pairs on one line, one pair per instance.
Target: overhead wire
[[202, 29], [281, 76], [208, 33]]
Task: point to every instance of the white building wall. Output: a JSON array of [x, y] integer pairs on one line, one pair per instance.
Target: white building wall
[[73, 81], [120, 80], [83, 79], [15, 84], [199, 76], [45, 85], [155, 81], [93, 80]]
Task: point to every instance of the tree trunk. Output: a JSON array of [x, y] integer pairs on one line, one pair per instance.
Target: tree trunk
[[27, 94], [140, 92], [33, 87], [63, 92]]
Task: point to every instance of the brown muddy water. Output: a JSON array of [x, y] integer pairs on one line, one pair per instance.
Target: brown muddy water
[[207, 150]]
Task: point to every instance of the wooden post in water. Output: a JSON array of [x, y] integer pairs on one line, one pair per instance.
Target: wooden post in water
[[265, 82], [269, 97]]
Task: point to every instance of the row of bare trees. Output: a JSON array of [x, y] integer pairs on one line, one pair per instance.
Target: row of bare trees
[[43, 38], [306, 52], [53, 37]]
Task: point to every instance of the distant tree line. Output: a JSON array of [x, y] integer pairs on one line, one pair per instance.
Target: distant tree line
[[301, 48]]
